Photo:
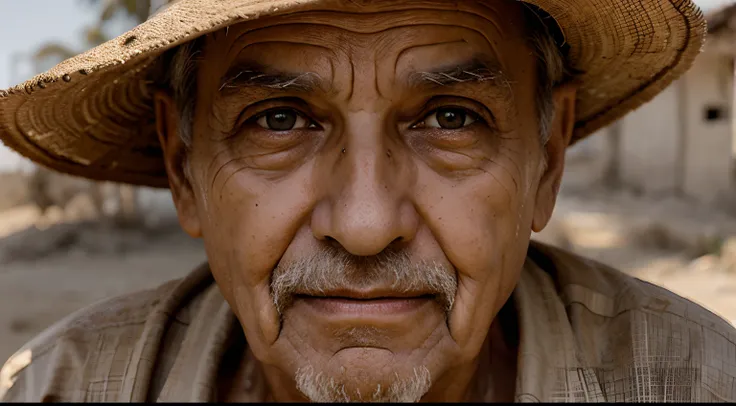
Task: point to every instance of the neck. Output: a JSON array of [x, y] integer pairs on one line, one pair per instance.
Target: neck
[[490, 377]]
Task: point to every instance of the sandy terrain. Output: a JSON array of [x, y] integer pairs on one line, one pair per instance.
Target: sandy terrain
[[50, 272], [65, 268], [684, 247]]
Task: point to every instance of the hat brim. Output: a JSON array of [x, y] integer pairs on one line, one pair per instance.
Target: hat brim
[[92, 115]]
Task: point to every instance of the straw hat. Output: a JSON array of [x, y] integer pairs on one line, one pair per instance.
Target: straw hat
[[92, 115]]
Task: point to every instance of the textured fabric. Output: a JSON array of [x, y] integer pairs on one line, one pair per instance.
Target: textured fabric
[[587, 333], [93, 116]]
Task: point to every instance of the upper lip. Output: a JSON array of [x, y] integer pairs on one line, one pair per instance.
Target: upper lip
[[367, 294]]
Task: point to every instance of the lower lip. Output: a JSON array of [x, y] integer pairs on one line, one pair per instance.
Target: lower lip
[[366, 307]]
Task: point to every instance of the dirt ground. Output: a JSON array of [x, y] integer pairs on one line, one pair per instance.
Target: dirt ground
[[48, 273], [48, 269]]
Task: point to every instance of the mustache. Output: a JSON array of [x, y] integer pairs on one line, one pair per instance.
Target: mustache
[[333, 268]]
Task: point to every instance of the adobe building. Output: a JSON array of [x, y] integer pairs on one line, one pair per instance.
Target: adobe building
[[681, 143]]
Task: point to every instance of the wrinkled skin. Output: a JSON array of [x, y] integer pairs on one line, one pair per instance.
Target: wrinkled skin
[[366, 166]]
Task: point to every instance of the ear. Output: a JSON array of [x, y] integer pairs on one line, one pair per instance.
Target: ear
[[176, 158], [559, 138]]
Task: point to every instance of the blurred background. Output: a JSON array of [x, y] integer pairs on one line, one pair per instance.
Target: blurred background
[[653, 195]]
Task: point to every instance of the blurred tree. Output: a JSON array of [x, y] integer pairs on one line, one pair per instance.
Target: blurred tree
[[124, 197], [612, 172], [135, 10]]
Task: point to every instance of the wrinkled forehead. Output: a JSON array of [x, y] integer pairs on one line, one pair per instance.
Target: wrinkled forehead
[[406, 34]]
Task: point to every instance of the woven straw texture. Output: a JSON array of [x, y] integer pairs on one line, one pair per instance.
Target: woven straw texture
[[92, 115]]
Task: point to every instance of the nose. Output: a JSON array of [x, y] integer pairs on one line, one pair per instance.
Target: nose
[[367, 208]]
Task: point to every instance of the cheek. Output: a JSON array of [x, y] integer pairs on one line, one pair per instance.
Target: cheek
[[248, 222], [254, 221], [480, 219], [477, 224], [247, 212], [483, 225]]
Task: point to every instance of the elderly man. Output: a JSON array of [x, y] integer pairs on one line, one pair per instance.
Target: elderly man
[[366, 176]]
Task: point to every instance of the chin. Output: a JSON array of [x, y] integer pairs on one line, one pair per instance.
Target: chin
[[361, 384]]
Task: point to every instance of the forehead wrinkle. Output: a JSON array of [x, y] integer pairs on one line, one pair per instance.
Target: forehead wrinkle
[[260, 41], [377, 21], [406, 50], [495, 52], [376, 77], [351, 80], [352, 26], [485, 5], [479, 23], [372, 22], [494, 60], [272, 34]]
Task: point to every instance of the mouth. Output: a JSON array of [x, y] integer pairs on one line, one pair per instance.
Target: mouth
[[366, 303]]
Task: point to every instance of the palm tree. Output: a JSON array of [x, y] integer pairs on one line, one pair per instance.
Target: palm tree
[[50, 54]]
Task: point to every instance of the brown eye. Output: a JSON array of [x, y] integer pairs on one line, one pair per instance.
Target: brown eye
[[282, 120], [449, 118]]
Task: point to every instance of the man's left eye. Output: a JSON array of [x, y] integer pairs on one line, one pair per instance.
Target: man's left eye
[[283, 120], [448, 118]]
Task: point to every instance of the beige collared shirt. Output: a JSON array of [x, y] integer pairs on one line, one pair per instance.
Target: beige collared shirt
[[587, 333]]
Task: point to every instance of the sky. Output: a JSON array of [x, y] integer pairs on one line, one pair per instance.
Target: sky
[[26, 24]]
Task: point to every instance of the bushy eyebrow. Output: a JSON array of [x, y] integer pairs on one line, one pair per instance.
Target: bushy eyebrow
[[475, 70], [252, 75]]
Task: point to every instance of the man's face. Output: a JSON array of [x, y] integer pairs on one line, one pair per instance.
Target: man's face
[[366, 185]]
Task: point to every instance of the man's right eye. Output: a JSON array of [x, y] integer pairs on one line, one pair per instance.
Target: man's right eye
[[283, 119]]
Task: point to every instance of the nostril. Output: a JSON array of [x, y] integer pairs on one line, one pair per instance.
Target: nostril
[[332, 241]]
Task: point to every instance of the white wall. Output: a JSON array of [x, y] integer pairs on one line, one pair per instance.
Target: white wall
[[708, 144], [587, 161], [649, 145]]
